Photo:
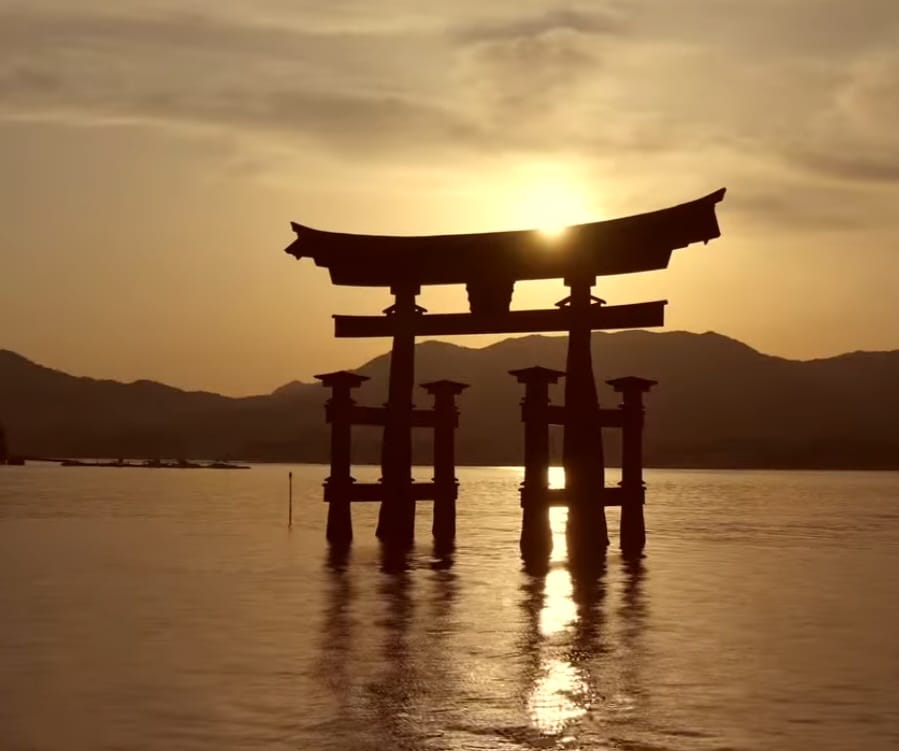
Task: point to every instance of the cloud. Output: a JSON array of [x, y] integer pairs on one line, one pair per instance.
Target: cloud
[[621, 84], [540, 82], [195, 70], [495, 84], [851, 166], [527, 74], [594, 21], [855, 137], [796, 209]]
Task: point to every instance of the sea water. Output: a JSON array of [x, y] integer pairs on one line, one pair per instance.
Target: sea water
[[175, 609]]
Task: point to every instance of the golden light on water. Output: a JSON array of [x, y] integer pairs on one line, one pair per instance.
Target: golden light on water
[[557, 480], [561, 692], [560, 696], [559, 609]]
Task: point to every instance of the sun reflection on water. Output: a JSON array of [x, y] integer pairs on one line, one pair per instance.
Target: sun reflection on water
[[556, 478], [558, 518], [558, 609], [560, 695], [560, 692]]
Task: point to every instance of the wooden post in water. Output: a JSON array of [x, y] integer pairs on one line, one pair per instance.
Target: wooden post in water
[[446, 420], [338, 412], [582, 450], [633, 526], [396, 519], [289, 499], [536, 534]]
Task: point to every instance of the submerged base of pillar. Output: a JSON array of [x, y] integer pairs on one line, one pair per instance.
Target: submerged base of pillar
[[633, 528], [443, 553], [396, 518], [586, 532], [443, 527], [338, 556], [536, 533], [340, 522]]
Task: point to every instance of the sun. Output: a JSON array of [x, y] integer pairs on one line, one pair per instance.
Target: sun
[[552, 231], [550, 201]]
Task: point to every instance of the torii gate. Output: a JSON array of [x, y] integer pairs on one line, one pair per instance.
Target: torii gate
[[489, 264]]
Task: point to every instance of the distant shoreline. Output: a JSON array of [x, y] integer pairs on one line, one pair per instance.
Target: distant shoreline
[[105, 462], [719, 405]]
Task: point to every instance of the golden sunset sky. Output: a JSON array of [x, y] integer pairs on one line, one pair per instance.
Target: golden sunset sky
[[152, 155]]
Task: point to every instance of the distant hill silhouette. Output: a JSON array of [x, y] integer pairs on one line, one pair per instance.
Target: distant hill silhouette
[[720, 403]]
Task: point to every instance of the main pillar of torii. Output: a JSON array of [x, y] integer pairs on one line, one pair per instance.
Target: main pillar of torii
[[582, 449]]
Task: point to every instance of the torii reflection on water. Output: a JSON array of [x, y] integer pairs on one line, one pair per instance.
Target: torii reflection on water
[[381, 666], [411, 658], [581, 676]]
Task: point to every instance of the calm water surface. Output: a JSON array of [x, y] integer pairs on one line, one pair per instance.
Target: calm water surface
[[154, 609]]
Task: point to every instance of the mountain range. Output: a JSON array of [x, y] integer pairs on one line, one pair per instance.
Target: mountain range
[[719, 403]]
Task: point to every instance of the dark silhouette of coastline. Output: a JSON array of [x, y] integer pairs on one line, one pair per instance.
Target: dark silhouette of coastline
[[5, 456], [724, 405], [151, 464]]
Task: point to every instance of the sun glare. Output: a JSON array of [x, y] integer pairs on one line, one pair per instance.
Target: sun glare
[[551, 200], [551, 231]]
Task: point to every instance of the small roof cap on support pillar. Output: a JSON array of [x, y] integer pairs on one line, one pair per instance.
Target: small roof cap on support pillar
[[631, 383], [444, 387], [342, 378], [537, 374]]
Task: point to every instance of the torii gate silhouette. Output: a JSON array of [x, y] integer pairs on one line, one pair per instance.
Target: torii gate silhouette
[[489, 264]]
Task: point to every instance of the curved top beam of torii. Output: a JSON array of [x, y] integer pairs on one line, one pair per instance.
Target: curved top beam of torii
[[642, 242]]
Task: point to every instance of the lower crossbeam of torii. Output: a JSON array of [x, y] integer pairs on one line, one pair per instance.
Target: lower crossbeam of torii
[[489, 264]]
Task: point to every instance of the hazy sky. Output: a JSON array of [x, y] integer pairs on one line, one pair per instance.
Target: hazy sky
[[152, 155]]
